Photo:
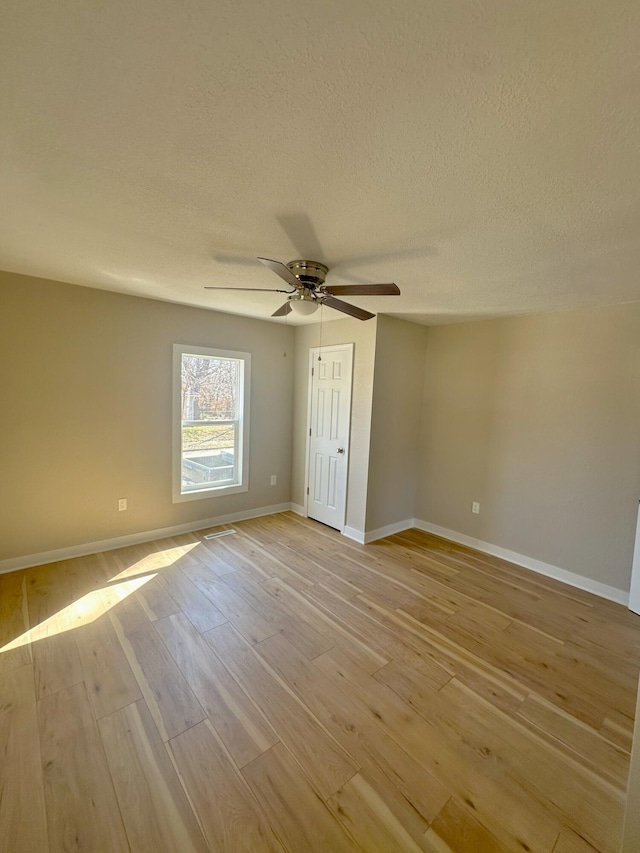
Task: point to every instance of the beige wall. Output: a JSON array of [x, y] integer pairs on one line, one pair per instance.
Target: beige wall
[[85, 379], [538, 418], [396, 420], [363, 336]]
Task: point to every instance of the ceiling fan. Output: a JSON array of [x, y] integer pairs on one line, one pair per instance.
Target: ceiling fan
[[306, 278]]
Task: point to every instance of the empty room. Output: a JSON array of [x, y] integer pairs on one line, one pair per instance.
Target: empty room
[[319, 427]]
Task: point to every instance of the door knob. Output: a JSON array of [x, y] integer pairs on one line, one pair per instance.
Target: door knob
[[341, 450]]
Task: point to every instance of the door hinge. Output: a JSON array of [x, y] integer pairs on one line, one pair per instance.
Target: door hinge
[[307, 489], [313, 370], [309, 430]]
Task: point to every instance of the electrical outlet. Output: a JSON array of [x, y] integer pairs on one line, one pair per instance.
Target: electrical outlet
[[122, 504], [274, 479], [475, 507]]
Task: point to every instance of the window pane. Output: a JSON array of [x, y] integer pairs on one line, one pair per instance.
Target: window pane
[[208, 437], [211, 389], [208, 456]]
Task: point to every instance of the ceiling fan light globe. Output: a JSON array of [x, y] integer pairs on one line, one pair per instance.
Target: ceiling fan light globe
[[303, 307]]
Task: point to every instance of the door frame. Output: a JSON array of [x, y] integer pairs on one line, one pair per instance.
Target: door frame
[[634, 592], [313, 354]]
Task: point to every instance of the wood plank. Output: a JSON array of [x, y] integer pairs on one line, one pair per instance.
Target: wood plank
[[156, 813], [580, 797], [455, 759], [238, 721], [55, 656], [284, 794], [108, 677], [257, 596], [368, 819], [226, 553], [21, 783], [618, 728], [627, 670], [525, 662], [169, 698], [82, 812], [286, 618], [249, 622], [256, 561], [614, 636], [148, 557], [209, 555], [236, 824], [57, 663], [483, 676], [570, 842], [323, 623], [82, 575], [301, 571], [126, 608], [412, 794], [14, 622], [502, 692], [326, 763], [156, 601], [414, 682], [372, 634], [456, 828], [584, 743], [198, 608]]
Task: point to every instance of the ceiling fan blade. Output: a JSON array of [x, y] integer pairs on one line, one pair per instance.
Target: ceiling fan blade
[[283, 271], [363, 289], [254, 289], [283, 310], [346, 308]]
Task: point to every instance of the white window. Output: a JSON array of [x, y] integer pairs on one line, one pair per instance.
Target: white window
[[211, 422]]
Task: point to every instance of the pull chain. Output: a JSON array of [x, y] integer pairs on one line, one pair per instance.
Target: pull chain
[[320, 347], [286, 325]]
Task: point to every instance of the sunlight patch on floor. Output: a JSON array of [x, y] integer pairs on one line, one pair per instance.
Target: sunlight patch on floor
[[155, 561], [81, 612]]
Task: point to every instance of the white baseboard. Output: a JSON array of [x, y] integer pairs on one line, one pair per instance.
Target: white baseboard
[[388, 530], [299, 510], [353, 533], [379, 533], [85, 548], [571, 578]]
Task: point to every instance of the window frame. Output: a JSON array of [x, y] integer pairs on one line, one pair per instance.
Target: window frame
[[241, 437]]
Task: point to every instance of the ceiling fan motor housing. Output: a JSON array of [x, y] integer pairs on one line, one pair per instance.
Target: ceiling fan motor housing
[[310, 274]]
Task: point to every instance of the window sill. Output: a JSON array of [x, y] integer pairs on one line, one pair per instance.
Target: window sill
[[215, 492]]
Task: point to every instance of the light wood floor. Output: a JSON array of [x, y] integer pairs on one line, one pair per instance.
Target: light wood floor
[[284, 689]]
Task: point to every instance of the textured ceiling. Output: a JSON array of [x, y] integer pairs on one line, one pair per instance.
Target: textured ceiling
[[483, 155]]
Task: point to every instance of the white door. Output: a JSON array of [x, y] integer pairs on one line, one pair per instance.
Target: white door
[[634, 595], [328, 433]]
